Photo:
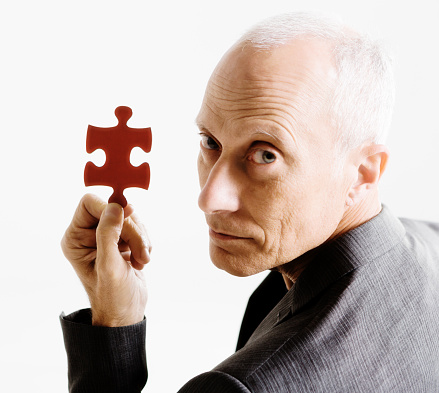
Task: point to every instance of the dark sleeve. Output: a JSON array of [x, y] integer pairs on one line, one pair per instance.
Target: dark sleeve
[[214, 382], [104, 359], [261, 302]]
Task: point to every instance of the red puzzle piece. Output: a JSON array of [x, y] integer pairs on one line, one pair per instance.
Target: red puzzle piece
[[117, 142]]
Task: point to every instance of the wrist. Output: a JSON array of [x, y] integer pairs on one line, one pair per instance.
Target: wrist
[[104, 319], [108, 321]]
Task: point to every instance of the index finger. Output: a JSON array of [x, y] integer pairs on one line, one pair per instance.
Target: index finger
[[88, 212]]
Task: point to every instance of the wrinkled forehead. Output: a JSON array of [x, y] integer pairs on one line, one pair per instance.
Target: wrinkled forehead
[[301, 62], [288, 85]]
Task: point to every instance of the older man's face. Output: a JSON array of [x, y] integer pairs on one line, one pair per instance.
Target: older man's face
[[269, 188]]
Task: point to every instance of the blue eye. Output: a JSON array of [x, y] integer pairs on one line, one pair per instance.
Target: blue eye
[[208, 142], [263, 157]]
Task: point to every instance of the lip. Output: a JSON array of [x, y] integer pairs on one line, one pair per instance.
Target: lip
[[223, 236]]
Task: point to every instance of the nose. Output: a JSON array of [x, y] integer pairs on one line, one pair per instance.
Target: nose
[[220, 192]]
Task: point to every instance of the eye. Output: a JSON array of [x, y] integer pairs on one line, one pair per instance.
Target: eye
[[208, 142], [263, 157]]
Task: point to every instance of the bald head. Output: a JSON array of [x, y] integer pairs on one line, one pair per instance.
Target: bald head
[[361, 106]]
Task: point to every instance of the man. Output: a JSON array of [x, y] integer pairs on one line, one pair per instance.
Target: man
[[292, 126]]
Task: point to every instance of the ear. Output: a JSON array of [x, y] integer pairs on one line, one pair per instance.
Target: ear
[[373, 162]]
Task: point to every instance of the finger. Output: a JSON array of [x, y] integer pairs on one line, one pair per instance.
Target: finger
[[137, 240], [107, 236], [143, 230], [136, 265], [88, 212], [128, 210], [126, 255], [123, 246], [125, 251], [78, 239]]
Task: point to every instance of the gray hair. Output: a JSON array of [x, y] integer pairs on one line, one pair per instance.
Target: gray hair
[[362, 101]]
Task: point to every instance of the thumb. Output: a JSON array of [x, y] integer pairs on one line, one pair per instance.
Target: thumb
[[108, 231]]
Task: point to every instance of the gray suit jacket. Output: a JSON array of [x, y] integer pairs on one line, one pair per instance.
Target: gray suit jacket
[[362, 317]]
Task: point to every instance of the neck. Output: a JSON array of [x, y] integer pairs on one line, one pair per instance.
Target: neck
[[353, 217], [358, 214]]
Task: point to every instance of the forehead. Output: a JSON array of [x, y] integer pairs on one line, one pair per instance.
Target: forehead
[[283, 88]]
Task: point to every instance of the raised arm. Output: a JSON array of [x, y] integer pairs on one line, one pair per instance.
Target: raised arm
[[108, 247]]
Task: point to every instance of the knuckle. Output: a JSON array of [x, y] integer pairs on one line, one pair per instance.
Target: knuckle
[[84, 202], [79, 247], [82, 238], [64, 244], [69, 239], [107, 233]]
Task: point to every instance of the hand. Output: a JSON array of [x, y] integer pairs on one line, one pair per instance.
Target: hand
[[108, 247]]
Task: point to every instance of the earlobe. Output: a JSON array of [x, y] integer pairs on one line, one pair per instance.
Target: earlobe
[[372, 165]]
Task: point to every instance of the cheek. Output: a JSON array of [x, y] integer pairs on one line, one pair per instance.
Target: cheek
[[293, 216], [314, 213], [287, 239], [276, 208]]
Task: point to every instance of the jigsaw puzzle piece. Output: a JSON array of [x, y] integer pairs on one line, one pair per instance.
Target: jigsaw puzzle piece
[[117, 142], [111, 175]]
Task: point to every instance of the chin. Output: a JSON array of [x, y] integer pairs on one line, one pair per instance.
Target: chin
[[236, 265]]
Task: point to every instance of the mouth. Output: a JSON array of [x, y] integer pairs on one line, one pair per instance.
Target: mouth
[[224, 236]]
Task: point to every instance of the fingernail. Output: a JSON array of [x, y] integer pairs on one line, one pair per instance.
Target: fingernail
[[113, 210]]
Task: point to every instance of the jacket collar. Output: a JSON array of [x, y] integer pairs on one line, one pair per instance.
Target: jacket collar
[[331, 261]]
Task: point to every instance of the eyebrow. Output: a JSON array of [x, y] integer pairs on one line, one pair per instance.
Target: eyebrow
[[257, 131], [260, 131], [199, 124]]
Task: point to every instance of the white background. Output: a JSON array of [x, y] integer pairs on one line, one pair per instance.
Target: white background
[[65, 65]]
